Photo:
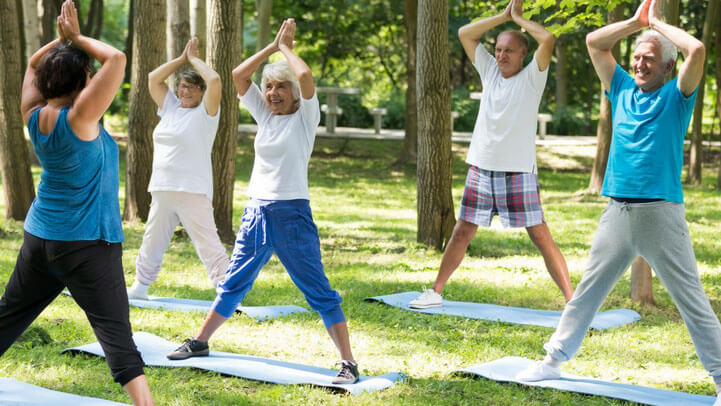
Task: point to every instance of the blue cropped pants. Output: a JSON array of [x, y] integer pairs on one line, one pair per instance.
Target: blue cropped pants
[[286, 228]]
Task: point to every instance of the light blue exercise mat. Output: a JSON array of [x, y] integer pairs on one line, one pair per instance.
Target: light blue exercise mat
[[505, 370], [14, 392], [517, 315], [259, 313], [154, 349]]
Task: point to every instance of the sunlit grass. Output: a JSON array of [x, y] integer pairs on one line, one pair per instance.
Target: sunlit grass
[[366, 214]]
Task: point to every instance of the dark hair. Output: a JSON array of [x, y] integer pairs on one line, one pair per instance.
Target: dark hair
[[62, 71], [191, 77], [522, 39]]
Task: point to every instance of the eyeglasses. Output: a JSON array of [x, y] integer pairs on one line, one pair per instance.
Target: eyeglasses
[[184, 86]]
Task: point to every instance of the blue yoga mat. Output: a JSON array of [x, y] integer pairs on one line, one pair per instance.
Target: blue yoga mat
[[505, 370], [154, 349], [259, 313], [517, 315], [14, 392]]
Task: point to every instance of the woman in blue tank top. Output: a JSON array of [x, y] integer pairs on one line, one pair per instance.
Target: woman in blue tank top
[[73, 230]]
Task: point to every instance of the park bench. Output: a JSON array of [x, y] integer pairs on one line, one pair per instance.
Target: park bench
[[378, 113]]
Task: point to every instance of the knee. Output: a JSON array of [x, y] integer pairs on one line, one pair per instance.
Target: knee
[[464, 232]]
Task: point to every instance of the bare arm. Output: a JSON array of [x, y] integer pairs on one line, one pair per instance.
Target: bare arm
[[31, 97], [694, 53], [213, 91], [471, 33], [156, 79], [92, 102], [544, 38], [243, 73], [601, 41], [297, 65]]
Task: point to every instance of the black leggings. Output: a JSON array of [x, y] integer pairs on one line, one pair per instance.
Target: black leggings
[[93, 272]]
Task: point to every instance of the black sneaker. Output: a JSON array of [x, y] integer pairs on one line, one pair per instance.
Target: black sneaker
[[190, 348], [348, 373]]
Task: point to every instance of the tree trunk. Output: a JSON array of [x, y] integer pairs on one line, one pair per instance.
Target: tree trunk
[[604, 129], [16, 177], [51, 10], [198, 23], [129, 42], [561, 73], [718, 88], [224, 53], [671, 16], [94, 22], [148, 54], [641, 282], [31, 23], [409, 152], [264, 9], [695, 156], [178, 27], [435, 203]]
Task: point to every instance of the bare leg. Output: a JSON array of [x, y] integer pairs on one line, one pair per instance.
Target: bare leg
[[139, 392], [339, 334], [555, 263], [463, 233], [211, 323]]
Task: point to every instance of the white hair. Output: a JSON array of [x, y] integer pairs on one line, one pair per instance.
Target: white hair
[[669, 52], [281, 72]]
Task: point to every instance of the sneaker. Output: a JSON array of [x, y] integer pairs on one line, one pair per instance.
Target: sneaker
[[539, 371], [429, 298], [138, 291], [190, 348], [718, 400], [348, 373]]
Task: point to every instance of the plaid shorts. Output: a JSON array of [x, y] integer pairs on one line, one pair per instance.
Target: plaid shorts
[[512, 195]]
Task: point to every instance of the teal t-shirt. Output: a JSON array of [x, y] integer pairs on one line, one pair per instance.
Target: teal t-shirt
[[78, 193], [646, 154]]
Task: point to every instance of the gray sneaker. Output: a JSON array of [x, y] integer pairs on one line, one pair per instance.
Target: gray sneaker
[[348, 373], [429, 298], [190, 348]]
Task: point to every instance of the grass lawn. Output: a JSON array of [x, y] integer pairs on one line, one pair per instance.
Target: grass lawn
[[366, 216]]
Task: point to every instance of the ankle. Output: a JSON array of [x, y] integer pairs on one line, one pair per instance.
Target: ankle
[[552, 362]]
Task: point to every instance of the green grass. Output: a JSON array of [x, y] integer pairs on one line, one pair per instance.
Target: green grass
[[366, 215]]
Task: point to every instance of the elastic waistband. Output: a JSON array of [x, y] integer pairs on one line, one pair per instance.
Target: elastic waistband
[[635, 200], [272, 204]]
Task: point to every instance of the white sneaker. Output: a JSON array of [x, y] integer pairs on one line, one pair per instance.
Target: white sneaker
[[429, 298], [539, 371], [138, 291]]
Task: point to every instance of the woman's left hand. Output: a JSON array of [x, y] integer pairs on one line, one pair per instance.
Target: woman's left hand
[[288, 34], [68, 20]]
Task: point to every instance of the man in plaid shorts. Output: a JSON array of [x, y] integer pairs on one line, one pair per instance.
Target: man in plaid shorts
[[502, 178]]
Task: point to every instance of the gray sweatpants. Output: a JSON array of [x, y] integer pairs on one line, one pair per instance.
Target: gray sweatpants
[[658, 232]]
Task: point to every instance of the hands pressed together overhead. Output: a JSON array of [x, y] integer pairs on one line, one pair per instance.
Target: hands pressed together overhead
[[68, 24], [286, 34], [648, 13]]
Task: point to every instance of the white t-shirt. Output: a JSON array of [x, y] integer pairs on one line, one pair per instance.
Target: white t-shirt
[[182, 145], [283, 146], [504, 137]]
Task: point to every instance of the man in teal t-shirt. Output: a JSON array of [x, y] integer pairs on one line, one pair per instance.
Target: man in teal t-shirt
[[645, 215]]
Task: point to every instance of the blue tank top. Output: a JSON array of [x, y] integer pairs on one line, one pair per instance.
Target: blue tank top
[[77, 198]]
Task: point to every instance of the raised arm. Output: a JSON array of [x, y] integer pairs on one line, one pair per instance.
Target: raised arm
[[544, 38], [694, 53], [471, 33], [92, 102], [211, 77], [156, 78], [31, 97], [601, 41], [297, 65], [243, 73]]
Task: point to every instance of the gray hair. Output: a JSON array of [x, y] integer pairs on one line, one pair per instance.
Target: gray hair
[[669, 52], [281, 72], [191, 77]]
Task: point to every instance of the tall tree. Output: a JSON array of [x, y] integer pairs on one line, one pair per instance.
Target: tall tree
[[178, 27], [262, 38], [94, 21], [225, 38], [50, 11], [198, 16], [148, 53], [718, 88], [409, 152], [561, 72], [129, 41], [695, 157], [604, 130], [435, 203], [14, 163], [31, 25]]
